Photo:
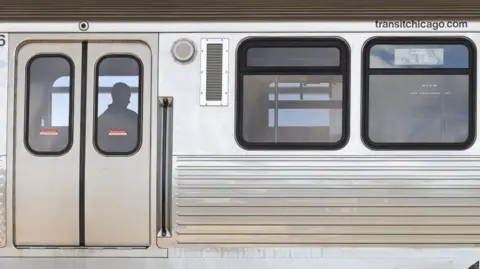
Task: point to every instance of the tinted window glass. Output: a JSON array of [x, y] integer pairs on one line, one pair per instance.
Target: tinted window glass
[[60, 115], [105, 99], [419, 56], [420, 97], [118, 104], [300, 57], [278, 108], [302, 107], [59, 98], [49, 108], [418, 108]]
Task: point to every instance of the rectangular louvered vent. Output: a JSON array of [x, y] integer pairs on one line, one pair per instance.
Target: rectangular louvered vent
[[214, 72], [214, 57]]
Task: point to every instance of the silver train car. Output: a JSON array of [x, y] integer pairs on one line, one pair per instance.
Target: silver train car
[[267, 144]]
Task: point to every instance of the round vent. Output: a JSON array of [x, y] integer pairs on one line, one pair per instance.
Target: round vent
[[183, 50]]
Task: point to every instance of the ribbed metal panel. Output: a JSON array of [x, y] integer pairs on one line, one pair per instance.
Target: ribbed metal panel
[[301, 200], [187, 10]]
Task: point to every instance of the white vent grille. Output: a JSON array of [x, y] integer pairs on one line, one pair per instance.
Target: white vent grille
[[214, 72]]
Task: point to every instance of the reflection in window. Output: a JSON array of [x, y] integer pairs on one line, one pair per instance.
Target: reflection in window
[[118, 105], [299, 117], [419, 56], [418, 108], [105, 99], [60, 107], [291, 111], [49, 114], [59, 103], [297, 112]]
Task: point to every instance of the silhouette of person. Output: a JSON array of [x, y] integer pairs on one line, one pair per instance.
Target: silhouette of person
[[117, 127]]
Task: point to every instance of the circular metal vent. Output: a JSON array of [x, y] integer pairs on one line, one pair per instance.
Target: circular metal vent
[[183, 50]]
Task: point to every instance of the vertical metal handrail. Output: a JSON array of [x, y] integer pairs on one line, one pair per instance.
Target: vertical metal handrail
[[163, 182], [475, 266]]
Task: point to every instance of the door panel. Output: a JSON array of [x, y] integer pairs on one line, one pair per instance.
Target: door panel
[[117, 172], [47, 155]]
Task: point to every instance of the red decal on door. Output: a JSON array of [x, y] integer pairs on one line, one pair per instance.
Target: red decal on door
[[48, 132], [117, 132]]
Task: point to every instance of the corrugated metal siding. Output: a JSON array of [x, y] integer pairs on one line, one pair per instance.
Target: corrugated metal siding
[[327, 200], [186, 10], [3, 208]]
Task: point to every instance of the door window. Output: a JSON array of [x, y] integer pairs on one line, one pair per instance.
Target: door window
[[118, 102], [49, 107]]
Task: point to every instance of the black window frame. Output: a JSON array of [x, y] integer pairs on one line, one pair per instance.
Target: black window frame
[[71, 104], [343, 69], [470, 71], [140, 106]]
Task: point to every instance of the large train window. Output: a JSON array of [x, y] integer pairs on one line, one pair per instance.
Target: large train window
[[49, 117], [118, 105], [419, 93], [292, 93]]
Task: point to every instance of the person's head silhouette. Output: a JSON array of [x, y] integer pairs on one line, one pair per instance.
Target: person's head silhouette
[[121, 95]]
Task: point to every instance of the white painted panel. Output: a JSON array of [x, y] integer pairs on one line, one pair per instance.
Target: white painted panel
[[3, 92], [261, 258], [3, 211]]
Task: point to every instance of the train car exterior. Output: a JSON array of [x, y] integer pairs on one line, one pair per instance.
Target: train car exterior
[[245, 144]]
